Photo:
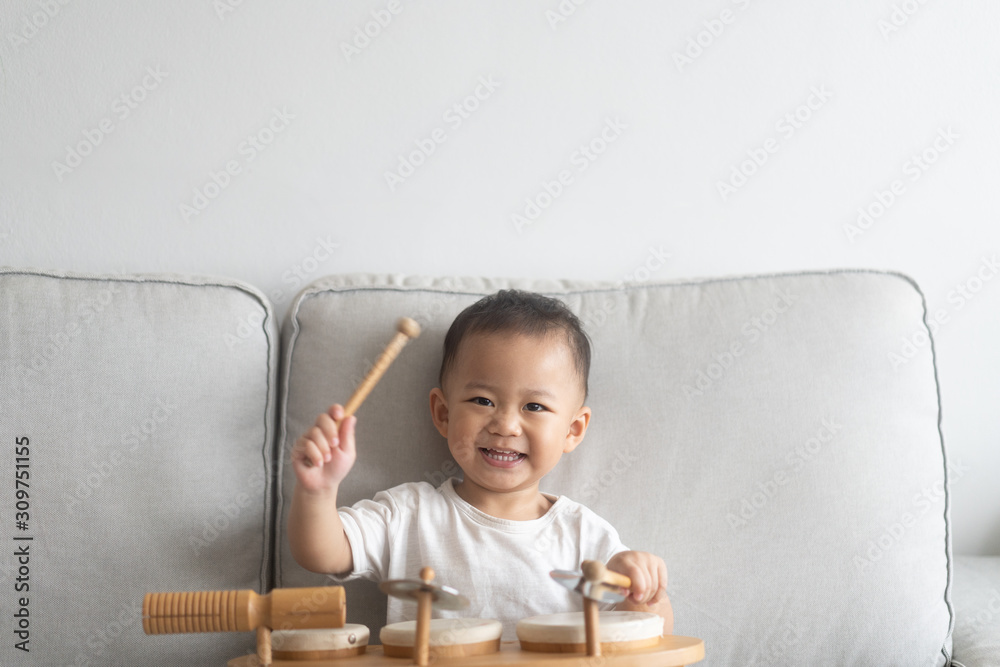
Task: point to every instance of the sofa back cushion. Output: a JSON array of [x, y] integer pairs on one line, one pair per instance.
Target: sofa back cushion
[[137, 417], [770, 437]]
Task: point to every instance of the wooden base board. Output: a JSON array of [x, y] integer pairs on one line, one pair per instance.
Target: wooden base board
[[670, 651], [453, 651], [335, 654], [607, 648]]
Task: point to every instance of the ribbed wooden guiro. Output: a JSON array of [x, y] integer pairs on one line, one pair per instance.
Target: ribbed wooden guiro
[[244, 610]]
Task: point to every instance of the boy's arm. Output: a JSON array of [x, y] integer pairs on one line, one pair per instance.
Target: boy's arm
[[321, 460], [316, 534], [648, 573]]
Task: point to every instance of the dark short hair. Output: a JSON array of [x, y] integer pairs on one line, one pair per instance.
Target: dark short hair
[[521, 312]]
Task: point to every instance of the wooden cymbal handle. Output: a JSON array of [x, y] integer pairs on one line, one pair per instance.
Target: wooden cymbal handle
[[264, 646], [406, 329], [421, 643], [597, 572], [591, 626], [243, 610]]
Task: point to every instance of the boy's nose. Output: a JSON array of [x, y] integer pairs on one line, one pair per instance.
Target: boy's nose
[[506, 423]]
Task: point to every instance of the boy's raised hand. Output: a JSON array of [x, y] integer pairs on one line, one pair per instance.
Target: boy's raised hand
[[648, 573], [330, 452]]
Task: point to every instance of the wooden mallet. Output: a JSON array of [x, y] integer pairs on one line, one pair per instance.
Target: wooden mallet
[[406, 329]]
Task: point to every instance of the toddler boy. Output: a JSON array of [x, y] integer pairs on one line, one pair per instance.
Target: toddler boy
[[513, 384]]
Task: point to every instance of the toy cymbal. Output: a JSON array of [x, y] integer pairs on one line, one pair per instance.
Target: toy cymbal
[[442, 597], [594, 581]]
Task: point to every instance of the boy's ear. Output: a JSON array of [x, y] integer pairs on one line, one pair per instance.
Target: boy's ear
[[439, 411], [577, 429]]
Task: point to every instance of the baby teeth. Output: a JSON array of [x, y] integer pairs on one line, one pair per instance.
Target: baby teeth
[[501, 456]]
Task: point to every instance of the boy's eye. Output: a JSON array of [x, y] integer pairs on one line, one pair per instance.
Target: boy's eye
[[479, 400], [534, 407]]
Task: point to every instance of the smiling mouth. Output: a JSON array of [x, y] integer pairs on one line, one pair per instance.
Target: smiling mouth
[[502, 455]]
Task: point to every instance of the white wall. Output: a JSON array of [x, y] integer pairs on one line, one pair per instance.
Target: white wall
[[888, 80]]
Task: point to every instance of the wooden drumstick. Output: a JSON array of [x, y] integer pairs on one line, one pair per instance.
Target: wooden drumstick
[[406, 329], [243, 610]]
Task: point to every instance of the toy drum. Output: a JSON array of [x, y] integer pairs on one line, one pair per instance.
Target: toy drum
[[564, 633], [449, 637], [319, 644]]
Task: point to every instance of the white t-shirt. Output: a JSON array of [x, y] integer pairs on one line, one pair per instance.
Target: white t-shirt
[[501, 566]]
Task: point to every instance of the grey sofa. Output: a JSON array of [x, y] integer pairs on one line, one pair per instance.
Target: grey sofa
[[753, 431]]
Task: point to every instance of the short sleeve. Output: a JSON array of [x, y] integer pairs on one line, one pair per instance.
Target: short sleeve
[[599, 541], [368, 525]]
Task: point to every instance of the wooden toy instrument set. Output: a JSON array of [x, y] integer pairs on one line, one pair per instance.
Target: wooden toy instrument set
[[302, 627], [305, 627]]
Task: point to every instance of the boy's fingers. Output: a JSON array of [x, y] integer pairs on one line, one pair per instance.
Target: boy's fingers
[[314, 454], [316, 443], [656, 594], [306, 450], [661, 581], [660, 574], [327, 428], [347, 433], [301, 445], [640, 586]]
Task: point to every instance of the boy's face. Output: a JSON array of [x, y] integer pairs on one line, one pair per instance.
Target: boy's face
[[510, 407]]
